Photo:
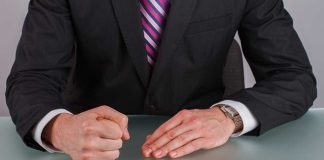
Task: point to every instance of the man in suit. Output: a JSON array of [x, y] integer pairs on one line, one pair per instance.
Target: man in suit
[[76, 58]]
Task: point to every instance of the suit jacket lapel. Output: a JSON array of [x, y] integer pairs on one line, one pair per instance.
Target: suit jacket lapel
[[128, 15], [178, 19]]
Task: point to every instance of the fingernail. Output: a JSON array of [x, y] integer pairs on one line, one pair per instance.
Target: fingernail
[[173, 154], [158, 153], [147, 151], [127, 135]]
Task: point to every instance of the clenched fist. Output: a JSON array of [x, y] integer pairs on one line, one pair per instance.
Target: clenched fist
[[96, 134]]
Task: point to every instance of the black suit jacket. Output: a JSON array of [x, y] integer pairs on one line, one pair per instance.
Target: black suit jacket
[[100, 43]]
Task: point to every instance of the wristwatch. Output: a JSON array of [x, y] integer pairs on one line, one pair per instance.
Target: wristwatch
[[231, 113]]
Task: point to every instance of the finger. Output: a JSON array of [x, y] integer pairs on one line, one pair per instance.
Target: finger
[[176, 143], [109, 130], [102, 155], [146, 150], [171, 123], [111, 114], [169, 136], [107, 144], [110, 154], [188, 148]]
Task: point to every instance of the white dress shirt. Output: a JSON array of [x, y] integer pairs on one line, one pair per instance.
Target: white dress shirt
[[249, 122]]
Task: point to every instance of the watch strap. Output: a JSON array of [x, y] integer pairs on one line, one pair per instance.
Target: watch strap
[[231, 113]]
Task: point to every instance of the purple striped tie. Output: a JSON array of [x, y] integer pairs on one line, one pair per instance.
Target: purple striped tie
[[154, 13]]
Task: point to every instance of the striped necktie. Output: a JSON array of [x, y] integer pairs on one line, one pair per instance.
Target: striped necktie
[[154, 13]]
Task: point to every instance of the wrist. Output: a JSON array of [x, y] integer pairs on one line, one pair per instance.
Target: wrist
[[231, 113], [219, 115], [51, 132], [222, 118]]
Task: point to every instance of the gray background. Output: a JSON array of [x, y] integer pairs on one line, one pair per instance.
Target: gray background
[[309, 23]]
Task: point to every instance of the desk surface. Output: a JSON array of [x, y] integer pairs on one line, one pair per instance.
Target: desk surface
[[298, 140]]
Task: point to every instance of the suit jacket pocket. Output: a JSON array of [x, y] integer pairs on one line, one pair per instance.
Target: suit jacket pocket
[[219, 22]]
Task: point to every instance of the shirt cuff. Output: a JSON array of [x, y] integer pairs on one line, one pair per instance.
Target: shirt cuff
[[248, 119], [38, 129]]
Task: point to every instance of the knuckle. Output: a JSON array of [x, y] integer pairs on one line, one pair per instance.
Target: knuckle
[[181, 138], [165, 149], [115, 154], [195, 110], [195, 121], [118, 134], [124, 119], [180, 152], [88, 144], [154, 146], [194, 145], [119, 144], [162, 129], [85, 156], [88, 130], [171, 134], [92, 143], [87, 115], [91, 115], [103, 107], [185, 113], [87, 126]]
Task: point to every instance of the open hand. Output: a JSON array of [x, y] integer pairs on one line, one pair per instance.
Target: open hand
[[189, 131]]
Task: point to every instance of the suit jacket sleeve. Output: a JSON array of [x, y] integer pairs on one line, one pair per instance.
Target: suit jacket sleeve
[[43, 60], [285, 85]]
